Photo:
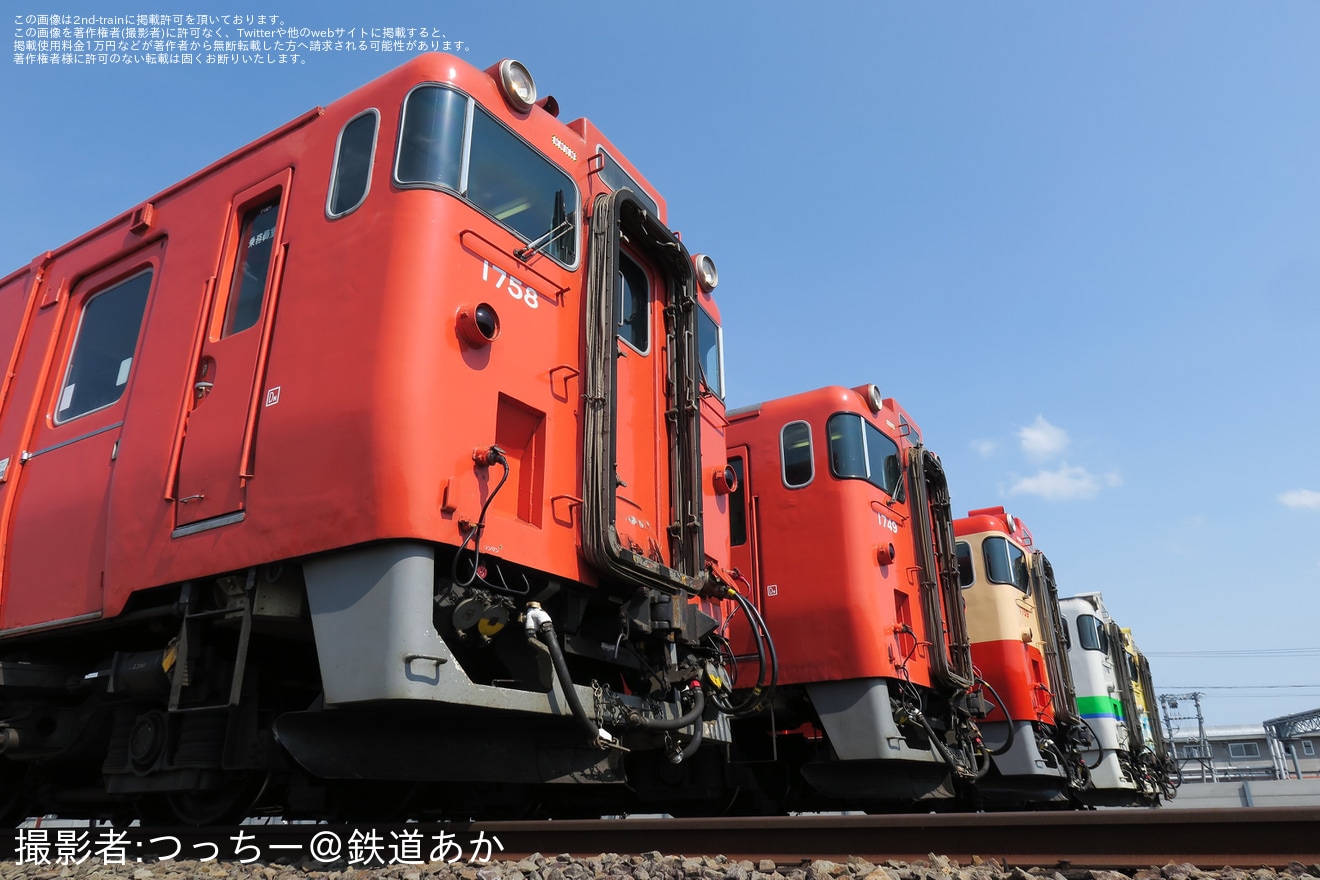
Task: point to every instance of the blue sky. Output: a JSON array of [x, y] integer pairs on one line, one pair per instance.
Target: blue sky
[[1077, 241]]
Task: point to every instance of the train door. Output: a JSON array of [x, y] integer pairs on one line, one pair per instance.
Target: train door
[[743, 536], [642, 442], [742, 526], [641, 450], [228, 379], [56, 542]]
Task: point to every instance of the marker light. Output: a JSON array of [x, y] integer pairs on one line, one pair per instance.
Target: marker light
[[478, 325], [519, 88], [707, 275]]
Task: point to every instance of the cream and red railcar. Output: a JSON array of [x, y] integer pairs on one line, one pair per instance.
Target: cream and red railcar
[[840, 524], [1032, 730], [378, 450]]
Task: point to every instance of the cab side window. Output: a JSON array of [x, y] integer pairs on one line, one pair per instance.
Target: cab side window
[[966, 574]]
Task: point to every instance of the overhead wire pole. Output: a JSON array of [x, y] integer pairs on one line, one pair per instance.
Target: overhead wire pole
[[1203, 756], [1283, 732]]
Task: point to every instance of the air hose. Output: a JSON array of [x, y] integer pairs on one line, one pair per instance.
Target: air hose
[[935, 740], [539, 626], [690, 749], [1008, 743], [692, 716]]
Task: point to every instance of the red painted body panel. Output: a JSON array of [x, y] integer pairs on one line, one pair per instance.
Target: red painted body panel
[[348, 414], [1017, 673], [834, 610]]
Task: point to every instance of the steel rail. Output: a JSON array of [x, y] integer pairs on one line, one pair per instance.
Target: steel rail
[[1104, 839]]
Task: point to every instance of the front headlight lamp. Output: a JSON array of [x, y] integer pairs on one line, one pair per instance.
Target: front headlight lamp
[[707, 275], [518, 86]]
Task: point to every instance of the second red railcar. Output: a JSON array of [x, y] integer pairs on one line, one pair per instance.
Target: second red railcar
[[841, 525]]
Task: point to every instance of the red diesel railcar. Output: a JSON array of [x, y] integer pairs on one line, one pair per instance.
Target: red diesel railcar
[[377, 450], [842, 527], [1033, 730]]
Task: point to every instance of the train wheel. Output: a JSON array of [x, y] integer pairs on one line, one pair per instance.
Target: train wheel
[[228, 804], [222, 806]]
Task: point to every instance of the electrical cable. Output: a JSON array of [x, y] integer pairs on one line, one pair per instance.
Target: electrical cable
[[1008, 743], [767, 657], [494, 455]]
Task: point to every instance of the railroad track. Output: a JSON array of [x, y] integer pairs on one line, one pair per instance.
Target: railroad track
[[1116, 839]]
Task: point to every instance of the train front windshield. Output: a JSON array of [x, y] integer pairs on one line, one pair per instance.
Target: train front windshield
[[449, 142], [858, 450]]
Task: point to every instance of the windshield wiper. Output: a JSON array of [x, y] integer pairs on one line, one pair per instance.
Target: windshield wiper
[[561, 222], [705, 390], [544, 241]]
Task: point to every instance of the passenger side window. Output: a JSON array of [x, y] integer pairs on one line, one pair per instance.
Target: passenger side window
[[351, 177], [103, 348], [795, 448]]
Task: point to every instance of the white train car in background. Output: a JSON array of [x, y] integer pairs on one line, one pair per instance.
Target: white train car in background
[[1128, 763]]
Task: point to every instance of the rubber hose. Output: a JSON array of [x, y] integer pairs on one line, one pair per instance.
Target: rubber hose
[[938, 743], [690, 717], [546, 634], [691, 748], [1008, 743]]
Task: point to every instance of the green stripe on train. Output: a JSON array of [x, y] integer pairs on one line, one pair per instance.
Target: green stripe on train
[[1099, 707]]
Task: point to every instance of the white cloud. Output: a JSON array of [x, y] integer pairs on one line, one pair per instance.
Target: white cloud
[[985, 448], [1041, 440], [1065, 484], [1307, 499]]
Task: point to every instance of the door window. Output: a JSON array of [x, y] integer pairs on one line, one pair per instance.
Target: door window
[[103, 349]]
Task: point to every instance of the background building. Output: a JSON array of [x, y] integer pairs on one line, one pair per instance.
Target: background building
[[1280, 748]]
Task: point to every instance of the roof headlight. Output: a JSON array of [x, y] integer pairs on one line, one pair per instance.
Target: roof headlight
[[518, 86], [707, 275], [875, 401]]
